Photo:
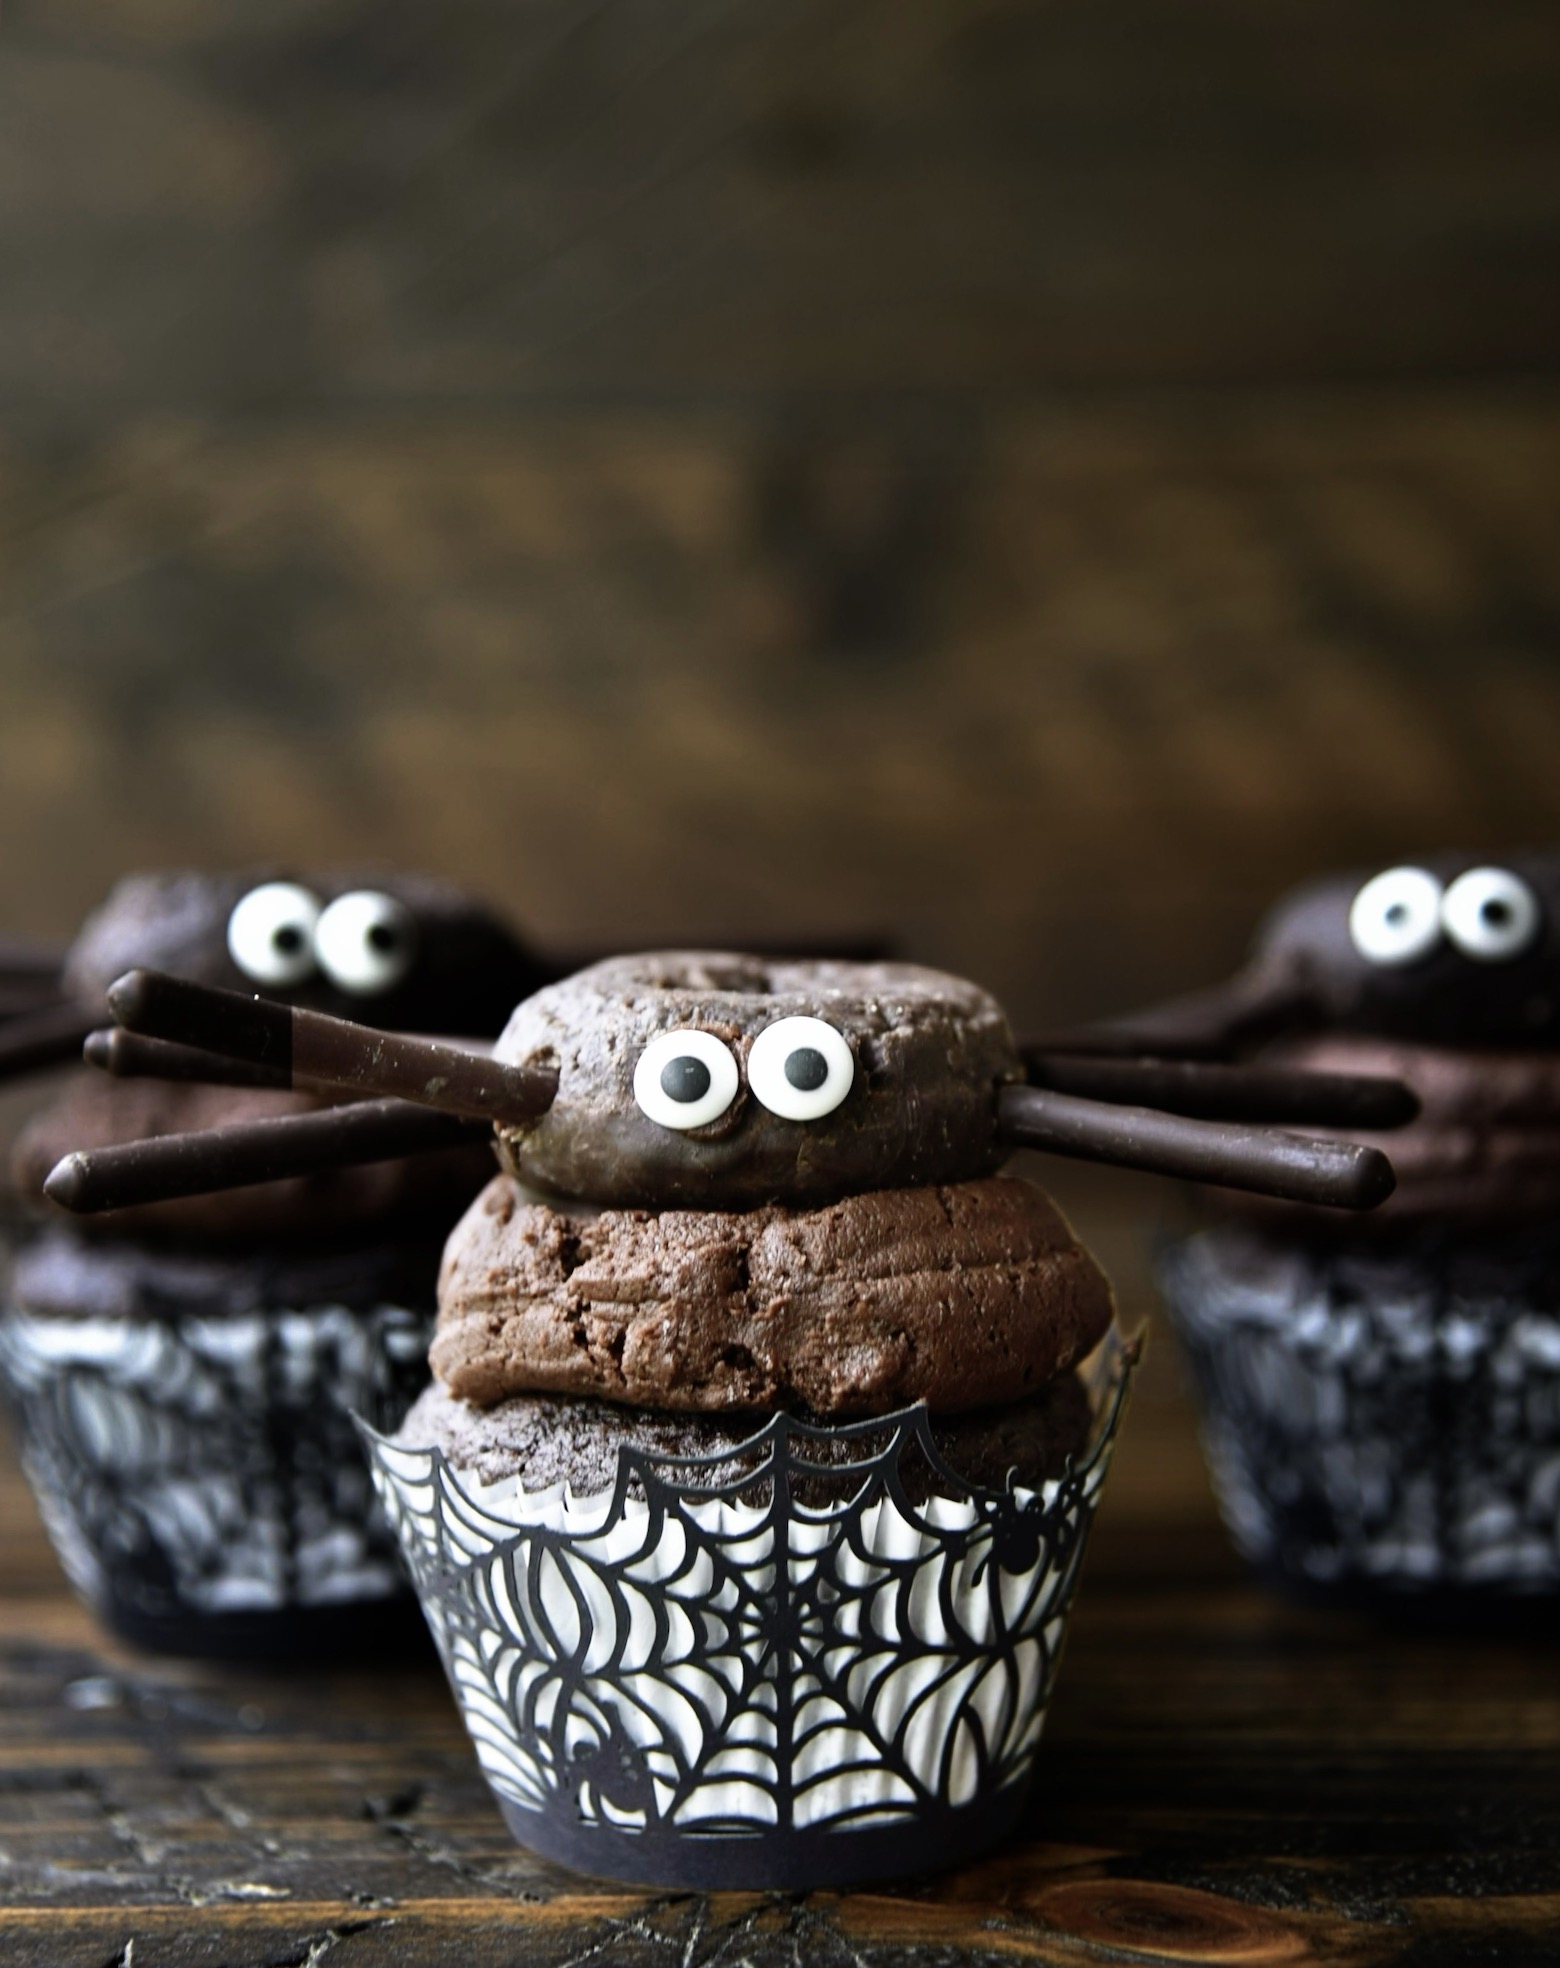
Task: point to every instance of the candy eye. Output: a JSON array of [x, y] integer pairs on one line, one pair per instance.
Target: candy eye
[[685, 1079], [1396, 918], [365, 942], [270, 934], [1490, 914], [800, 1068]]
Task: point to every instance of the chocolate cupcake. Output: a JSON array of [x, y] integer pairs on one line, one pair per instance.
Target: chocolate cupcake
[[749, 1503], [1381, 1397], [815, 1433], [183, 1373]]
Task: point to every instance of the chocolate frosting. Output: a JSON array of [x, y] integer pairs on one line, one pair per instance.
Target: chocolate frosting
[[96, 1111], [543, 1440], [962, 1295], [930, 1052]]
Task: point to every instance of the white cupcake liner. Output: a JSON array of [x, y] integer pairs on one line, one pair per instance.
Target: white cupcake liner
[[700, 1684]]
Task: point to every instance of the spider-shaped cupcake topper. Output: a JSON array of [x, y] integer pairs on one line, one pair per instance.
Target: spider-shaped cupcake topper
[[1447, 951], [725, 1083], [403, 951]]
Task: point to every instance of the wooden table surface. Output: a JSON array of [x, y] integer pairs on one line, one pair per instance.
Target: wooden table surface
[[1224, 1778]]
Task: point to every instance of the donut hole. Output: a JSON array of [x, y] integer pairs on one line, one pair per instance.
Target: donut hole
[[699, 973]]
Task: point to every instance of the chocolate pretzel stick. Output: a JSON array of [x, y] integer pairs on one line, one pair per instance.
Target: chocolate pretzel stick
[[42, 1038], [170, 1165], [1278, 1095], [1343, 1175], [128, 1056], [314, 1050]]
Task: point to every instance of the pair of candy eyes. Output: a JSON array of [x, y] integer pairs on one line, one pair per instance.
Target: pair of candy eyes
[[1489, 914], [799, 1068], [280, 934]]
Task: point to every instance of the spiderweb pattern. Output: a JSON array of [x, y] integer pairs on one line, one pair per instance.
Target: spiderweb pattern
[[1381, 1419], [208, 1464], [684, 1655]]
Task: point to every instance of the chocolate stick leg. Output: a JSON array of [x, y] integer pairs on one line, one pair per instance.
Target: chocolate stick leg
[[197, 1164], [315, 1051], [129, 1057], [35, 1039], [1342, 1175], [1277, 1095]]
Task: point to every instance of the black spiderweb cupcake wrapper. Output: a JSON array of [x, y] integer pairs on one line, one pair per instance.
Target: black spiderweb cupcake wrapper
[[205, 1466], [1380, 1423], [683, 1658]]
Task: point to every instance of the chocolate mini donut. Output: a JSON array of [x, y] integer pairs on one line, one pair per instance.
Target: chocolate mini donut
[[728, 1081], [961, 1295], [1448, 950], [404, 951], [397, 951]]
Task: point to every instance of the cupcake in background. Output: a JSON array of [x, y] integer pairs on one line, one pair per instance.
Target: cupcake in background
[[183, 1373], [750, 1499], [1381, 1395]]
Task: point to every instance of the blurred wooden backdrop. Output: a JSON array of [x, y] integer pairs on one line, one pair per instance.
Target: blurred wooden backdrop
[[1034, 478]]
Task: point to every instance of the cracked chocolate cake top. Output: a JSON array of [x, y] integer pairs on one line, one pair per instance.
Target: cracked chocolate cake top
[[963, 1295]]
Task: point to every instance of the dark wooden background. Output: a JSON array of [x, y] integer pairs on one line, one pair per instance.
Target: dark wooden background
[[1034, 478]]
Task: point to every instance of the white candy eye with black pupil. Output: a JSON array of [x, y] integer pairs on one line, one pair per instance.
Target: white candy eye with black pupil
[[365, 942], [270, 934], [685, 1079], [1490, 914], [1396, 917], [800, 1068]]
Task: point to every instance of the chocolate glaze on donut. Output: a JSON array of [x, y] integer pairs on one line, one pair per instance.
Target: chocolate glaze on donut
[[1443, 996], [466, 968], [930, 1050], [459, 973]]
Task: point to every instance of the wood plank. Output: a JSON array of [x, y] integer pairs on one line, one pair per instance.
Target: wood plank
[[649, 675], [213, 207]]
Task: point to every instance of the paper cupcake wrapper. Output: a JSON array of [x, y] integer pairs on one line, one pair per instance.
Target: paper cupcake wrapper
[[1379, 1424], [199, 1474], [702, 1684]]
